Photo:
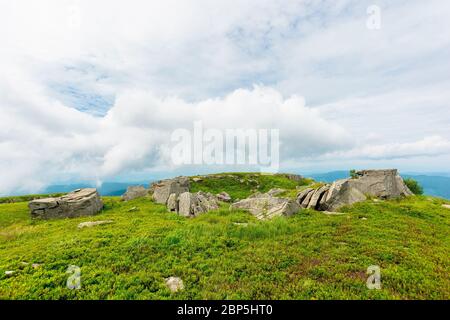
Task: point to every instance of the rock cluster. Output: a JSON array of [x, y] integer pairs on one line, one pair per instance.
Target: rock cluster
[[384, 184], [192, 204], [266, 206], [134, 192], [81, 202], [164, 188]]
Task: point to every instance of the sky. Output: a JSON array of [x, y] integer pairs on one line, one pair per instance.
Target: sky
[[92, 90]]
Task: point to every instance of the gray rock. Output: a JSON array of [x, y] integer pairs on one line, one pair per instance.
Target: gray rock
[[302, 194], [173, 203], [384, 184], [134, 192], [223, 196], [346, 195], [89, 224], [81, 202], [9, 273], [265, 206], [194, 204], [163, 189], [307, 198], [317, 195]]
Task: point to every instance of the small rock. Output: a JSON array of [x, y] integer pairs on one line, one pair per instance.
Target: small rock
[[134, 192], [242, 224], [331, 213], [197, 179], [9, 273], [223, 196], [363, 218], [133, 209], [174, 284], [36, 265], [89, 224], [446, 206]]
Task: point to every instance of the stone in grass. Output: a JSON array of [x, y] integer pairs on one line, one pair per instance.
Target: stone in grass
[[174, 284], [446, 206], [89, 224], [332, 213], [9, 273]]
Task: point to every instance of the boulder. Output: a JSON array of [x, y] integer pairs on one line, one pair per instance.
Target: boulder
[[223, 196], [192, 204], [384, 184], [316, 197], [134, 192], [302, 194], [307, 198], [81, 202], [172, 203], [163, 189], [265, 206]]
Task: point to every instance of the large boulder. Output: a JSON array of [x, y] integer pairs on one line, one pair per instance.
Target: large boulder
[[163, 189], [134, 192], [192, 204], [384, 184], [265, 206], [81, 202]]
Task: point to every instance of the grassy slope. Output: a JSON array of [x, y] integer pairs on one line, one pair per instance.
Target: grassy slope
[[307, 256]]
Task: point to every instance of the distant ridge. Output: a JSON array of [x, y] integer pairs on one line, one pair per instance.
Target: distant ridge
[[107, 188]]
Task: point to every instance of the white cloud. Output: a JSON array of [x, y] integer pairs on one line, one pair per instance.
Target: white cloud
[[374, 96]]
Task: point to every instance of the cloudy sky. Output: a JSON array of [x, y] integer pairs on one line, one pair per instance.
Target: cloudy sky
[[92, 90]]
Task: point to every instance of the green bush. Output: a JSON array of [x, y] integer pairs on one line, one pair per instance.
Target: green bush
[[414, 186], [353, 174]]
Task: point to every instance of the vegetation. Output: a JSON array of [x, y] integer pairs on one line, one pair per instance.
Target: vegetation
[[28, 197], [241, 185], [414, 186], [353, 174], [229, 254]]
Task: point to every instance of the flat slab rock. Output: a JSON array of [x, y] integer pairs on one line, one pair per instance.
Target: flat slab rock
[[265, 206], [78, 203]]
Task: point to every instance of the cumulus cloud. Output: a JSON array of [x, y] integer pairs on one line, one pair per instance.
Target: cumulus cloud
[[136, 133], [93, 89]]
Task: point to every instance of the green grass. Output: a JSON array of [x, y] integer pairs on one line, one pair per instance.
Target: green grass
[[308, 256]]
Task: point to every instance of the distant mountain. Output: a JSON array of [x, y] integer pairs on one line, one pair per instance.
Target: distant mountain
[[438, 186], [107, 188]]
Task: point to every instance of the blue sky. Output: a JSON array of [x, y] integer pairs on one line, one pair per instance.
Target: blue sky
[[91, 91]]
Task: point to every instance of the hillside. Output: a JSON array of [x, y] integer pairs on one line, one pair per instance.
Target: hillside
[[229, 254]]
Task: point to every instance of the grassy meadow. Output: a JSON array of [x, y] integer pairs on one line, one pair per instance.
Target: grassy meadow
[[229, 254]]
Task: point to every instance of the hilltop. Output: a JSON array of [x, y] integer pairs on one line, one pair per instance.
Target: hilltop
[[229, 254]]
